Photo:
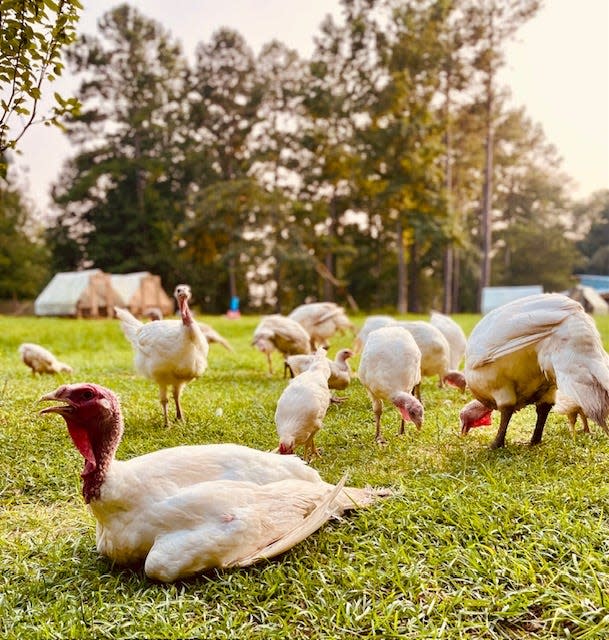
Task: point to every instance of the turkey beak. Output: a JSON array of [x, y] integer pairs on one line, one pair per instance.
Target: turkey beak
[[57, 395], [464, 428]]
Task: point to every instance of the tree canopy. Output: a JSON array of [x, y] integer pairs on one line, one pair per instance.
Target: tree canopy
[[24, 259], [359, 174], [34, 33]]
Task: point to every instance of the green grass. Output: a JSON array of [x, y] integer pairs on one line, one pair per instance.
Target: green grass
[[475, 544]]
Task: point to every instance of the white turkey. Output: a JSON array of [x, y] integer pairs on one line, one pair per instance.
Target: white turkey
[[340, 371], [213, 337], [370, 324], [454, 334], [321, 320], [302, 407], [186, 509], [277, 332], [567, 407], [170, 352], [519, 353], [154, 314], [390, 369], [435, 354], [41, 360]]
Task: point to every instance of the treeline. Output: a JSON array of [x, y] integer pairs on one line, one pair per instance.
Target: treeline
[[387, 171]]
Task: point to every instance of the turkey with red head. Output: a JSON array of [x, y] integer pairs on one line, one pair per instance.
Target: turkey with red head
[[185, 509]]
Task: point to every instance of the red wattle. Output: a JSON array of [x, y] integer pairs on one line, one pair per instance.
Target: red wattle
[[82, 442], [484, 421]]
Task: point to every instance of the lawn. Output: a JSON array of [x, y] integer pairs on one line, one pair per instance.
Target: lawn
[[474, 544]]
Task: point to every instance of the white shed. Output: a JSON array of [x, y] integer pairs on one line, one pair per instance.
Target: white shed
[[141, 292], [493, 297], [87, 293]]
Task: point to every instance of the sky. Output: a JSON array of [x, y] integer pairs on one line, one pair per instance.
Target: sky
[[557, 67]]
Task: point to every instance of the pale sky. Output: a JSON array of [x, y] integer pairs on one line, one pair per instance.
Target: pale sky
[[557, 68]]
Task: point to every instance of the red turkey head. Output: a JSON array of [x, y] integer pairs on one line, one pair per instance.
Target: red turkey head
[[92, 414], [474, 414]]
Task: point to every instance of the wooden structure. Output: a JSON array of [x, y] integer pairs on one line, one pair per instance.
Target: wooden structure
[[141, 292], [78, 294], [91, 293]]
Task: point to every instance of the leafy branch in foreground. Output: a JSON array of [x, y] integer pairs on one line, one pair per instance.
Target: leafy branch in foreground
[[33, 35]]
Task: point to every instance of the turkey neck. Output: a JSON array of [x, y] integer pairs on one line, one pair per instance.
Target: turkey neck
[[185, 312], [104, 438]]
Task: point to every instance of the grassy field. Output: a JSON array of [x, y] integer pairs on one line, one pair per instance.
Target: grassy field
[[475, 544]]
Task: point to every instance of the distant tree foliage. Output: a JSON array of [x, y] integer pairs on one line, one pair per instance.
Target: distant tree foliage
[[23, 256], [122, 196], [595, 245], [359, 175], [34, 32], [490, 23]]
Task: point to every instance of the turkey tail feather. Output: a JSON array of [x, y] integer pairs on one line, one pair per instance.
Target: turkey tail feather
[[225, 343], [356, 497], [582, 368], [319, 516], [129, 324], [338, 500]]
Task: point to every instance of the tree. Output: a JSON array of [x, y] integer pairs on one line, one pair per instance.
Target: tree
[[276, 151], [595, 245], [491, 23], [532, 208], [23, 257], [224, 98], [452, 38], [34, 32], [342, 74], [228, 240], [401, 147], [463, 204], [123, 195], [535, 253]]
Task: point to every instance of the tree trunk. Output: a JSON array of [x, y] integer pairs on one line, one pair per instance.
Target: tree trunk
[[232, 278], [413, 284], [448, 267], [329, 260], [486, 227], [278, 284], [328, 287], [402, 303], [456, 281], [376, 295], [487, 189], [447, 302]]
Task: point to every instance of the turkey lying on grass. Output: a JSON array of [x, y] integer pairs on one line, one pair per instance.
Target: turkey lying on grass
[[186, 509], [340, 371]]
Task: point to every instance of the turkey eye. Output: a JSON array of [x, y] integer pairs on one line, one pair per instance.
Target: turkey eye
[[87, 395]]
